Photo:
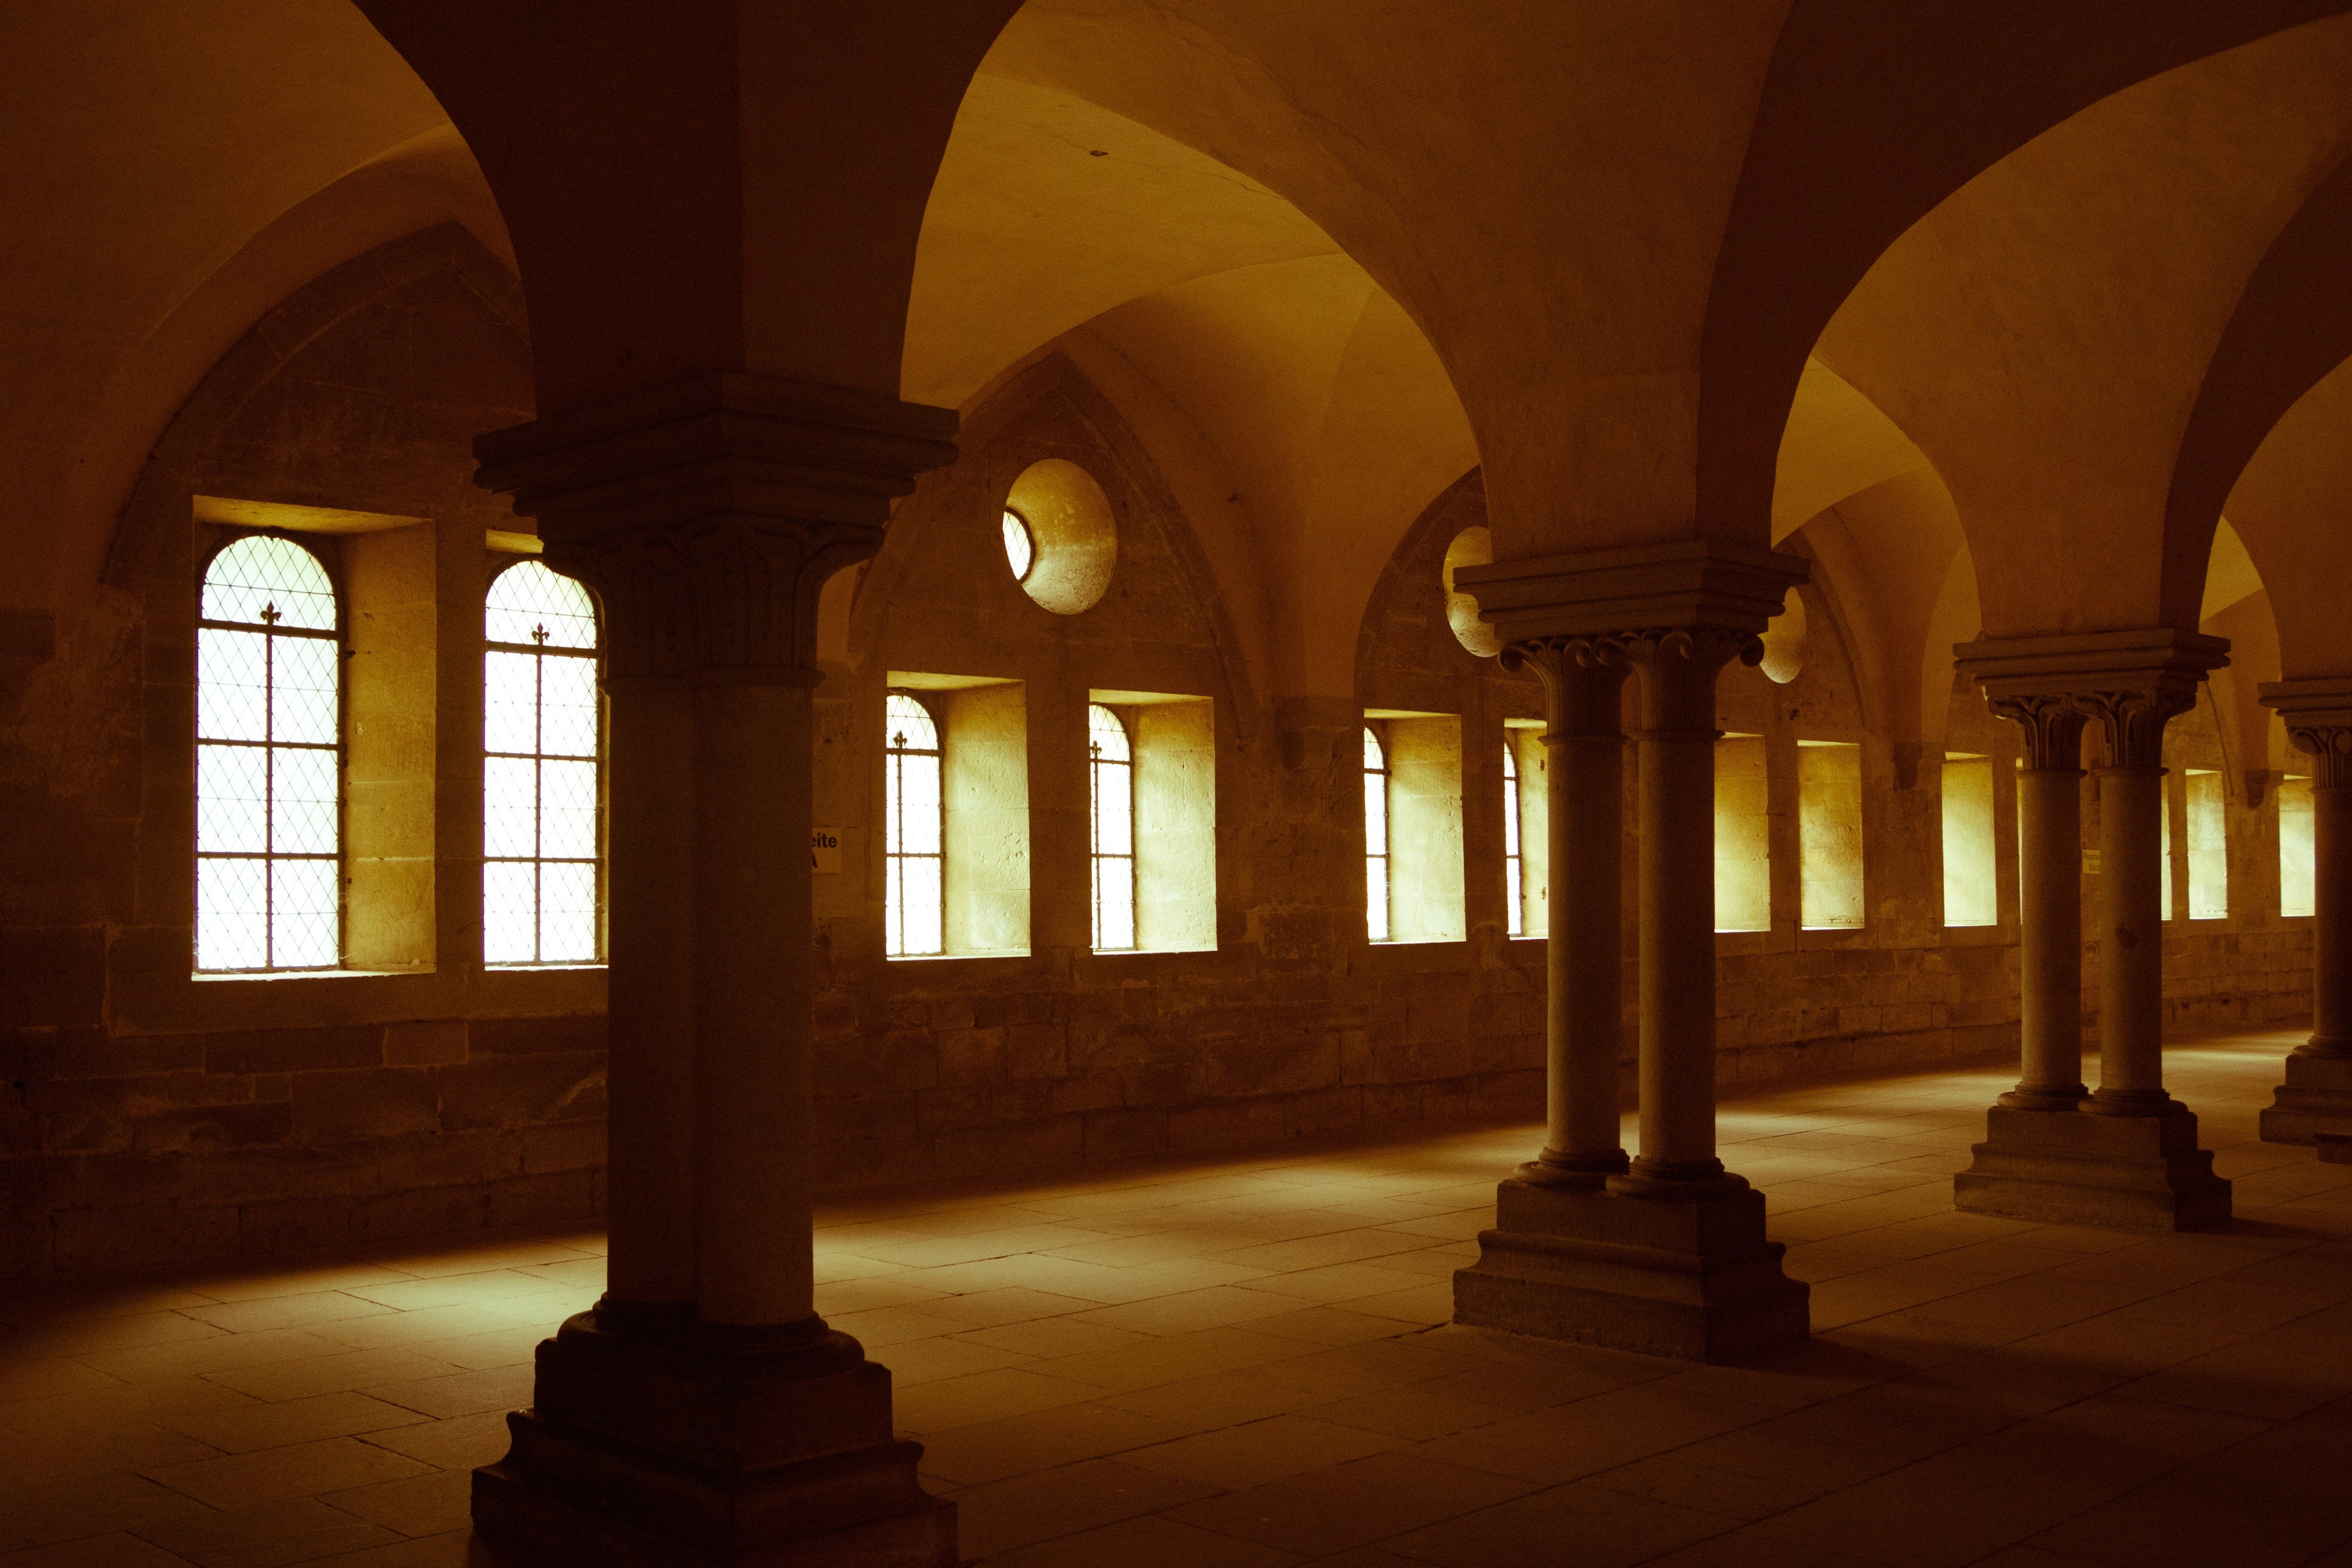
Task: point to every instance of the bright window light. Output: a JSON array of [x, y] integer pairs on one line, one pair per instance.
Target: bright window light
[[2297, 865], [1514, 870], [1110, 770], [913, 861], [269, 761], [1970, 894], [540, 794], [1376, 837], [1020, 548]]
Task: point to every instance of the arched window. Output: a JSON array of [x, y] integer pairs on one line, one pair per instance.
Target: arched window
[[1020, 545], [1376, 836], [1513, 872], [912, 858], [539, 772], [1111, 768], [268, 760]]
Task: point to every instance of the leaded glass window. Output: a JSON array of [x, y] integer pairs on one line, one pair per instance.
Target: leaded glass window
[[1513, 872], [913, 860], [1376, 836], [1110, 770], [1020, 545], [268, 760], [540, 796]]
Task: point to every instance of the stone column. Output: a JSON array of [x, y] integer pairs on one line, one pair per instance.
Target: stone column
[[649, 930], [2049, 886], [2317, 1097], [1676, 835], [1665, 1255], [704, 1412], [649, 985], [2125, 1157], [1584, 950], [2131, 883]]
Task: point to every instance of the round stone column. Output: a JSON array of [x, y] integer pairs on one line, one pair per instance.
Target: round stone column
[[1584, 952], [2050, 889], [2315, 1099], [1675, 833], [2330, 747], [2131, 918]]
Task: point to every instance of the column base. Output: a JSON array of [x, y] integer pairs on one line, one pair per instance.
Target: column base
[[672, 1450], [1689, 1278], [2315, 1098], [2118, 1172]]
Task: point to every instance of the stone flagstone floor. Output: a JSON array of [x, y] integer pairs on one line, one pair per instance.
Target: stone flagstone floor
[[1242, 1361]]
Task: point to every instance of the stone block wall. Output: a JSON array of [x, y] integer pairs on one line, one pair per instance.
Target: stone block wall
[[930, 1070], [164, 1149]]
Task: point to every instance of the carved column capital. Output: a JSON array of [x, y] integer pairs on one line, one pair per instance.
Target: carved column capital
[[1701, 648], [2131, 682], [2053, 729], [710, 513], [1679, 666], [1583, 676], [2330, 748], [2318, 715], [2132, 723]]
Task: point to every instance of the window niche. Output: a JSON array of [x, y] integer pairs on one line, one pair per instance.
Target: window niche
[[2208, 841], [1172, 781], [1423, 867], [978, 903], [1526, 885], [1743, 835], [1970, 889], [389, 778], [1829, 835], [376, 907], [2297, 861]]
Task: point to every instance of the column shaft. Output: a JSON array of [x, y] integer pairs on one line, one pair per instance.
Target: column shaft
[[1585, 1008], [1677, 954], [2316, 1098], [752, 1002], [1584, 914], [2049, 886], [649, 889], [2131, 939], [1677, 867], [2331, 908]]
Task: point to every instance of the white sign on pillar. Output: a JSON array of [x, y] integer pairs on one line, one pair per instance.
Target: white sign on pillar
[[824, 850]]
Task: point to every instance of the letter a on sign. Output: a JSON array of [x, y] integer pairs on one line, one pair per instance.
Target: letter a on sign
[[825, 851]]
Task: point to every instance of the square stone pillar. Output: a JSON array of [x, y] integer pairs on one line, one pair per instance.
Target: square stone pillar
[[1665, 1253], [2316, 1098], [703, 1414], [2125, 1155]]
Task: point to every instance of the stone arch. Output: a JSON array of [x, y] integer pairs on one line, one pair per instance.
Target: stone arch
[[1798, 240], [2292, 328]]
